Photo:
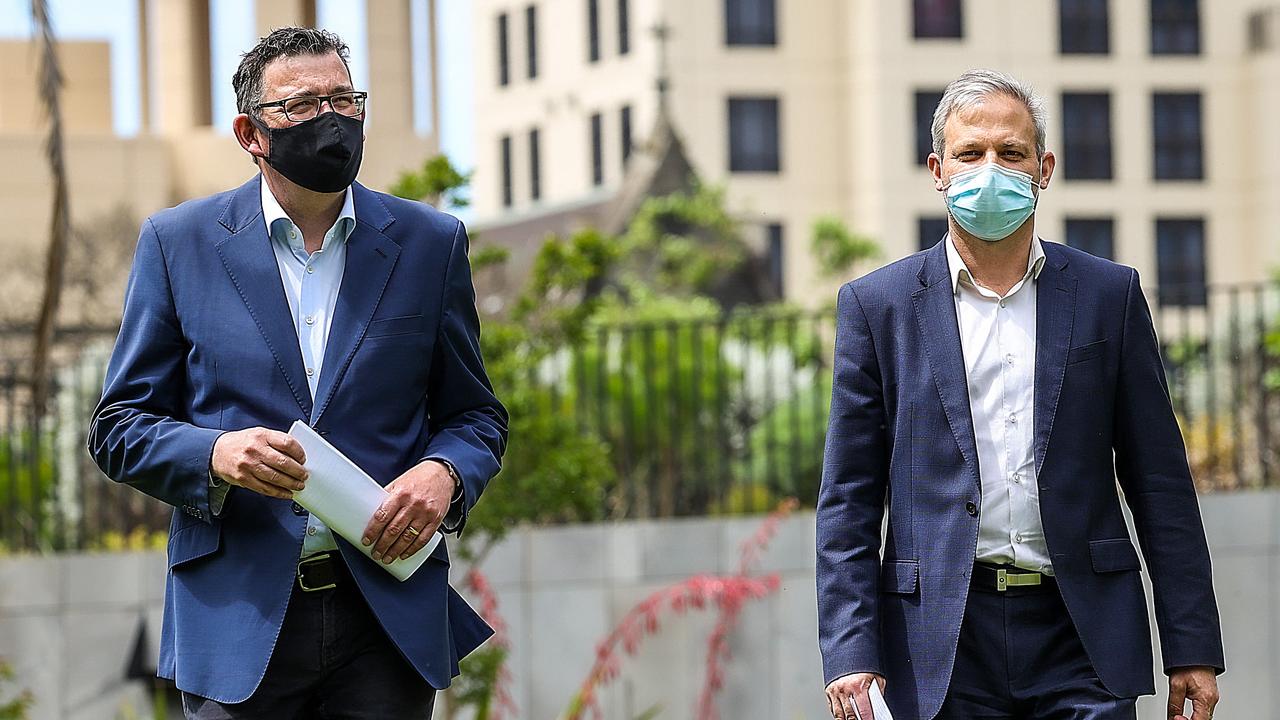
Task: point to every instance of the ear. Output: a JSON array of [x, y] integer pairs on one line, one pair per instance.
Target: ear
[[250, 136], [1047, 165], [935, 168]]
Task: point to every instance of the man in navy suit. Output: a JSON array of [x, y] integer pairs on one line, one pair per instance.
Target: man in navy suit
[[988, 394], [302, 295]]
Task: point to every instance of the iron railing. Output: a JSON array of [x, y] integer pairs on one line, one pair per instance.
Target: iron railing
[[715, 415]]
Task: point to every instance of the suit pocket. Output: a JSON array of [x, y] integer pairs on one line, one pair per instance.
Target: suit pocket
[[900, 577], [1086, 352], [194, 541], [388, 327], [1117, 555]]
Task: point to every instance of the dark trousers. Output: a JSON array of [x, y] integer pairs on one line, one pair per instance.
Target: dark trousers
[[332, 660], [1019, 656]]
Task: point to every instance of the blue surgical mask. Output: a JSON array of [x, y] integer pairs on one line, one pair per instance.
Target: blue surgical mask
[[991, 201]]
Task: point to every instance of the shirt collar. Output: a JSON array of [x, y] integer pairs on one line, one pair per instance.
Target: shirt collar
[[960, 271], [272, 214]]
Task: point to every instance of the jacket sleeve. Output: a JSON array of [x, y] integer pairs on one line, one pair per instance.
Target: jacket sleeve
[[467, 426], [1151, 465], [851, 501], [138, 434]]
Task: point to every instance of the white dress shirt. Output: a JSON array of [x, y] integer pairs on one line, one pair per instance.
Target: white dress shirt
[[998, 338]]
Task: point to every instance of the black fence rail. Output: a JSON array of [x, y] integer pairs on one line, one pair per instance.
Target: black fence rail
[[709, 415]]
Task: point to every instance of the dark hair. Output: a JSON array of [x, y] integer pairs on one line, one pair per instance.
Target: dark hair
[[284, 42]]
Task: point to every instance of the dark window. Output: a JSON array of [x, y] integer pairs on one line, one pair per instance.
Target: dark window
[[531, 38], [624, 27], [593, 30], [753, 135], [926, 103], [1175, 27], [1083, 27], [1180, 261], [535, 166], [597, 150], [626, 134], [930, 230], [507, 195], [1176, 123], [750, 22], [1095, 236], [504, 57], [776, 258], [1086, 136], [937, 19]]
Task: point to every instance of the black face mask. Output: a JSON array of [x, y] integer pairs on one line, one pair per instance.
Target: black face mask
[[321, 154]]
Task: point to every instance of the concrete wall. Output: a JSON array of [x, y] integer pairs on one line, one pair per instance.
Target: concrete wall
[[68, 622]]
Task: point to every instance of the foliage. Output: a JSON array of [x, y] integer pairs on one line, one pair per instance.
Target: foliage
[[435, 181], [791, 437], [682, 243], [837, 249], [17, 707], [137, 539]]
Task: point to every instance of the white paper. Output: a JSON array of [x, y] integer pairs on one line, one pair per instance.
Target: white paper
[[345, 498], [878, 707]]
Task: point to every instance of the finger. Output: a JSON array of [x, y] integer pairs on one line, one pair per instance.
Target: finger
[[381, 516], [862, 697], [287, 444], [391, 533], [262, 488], [831, 708], [850, 708], [405, 538], [287, 465], [1177, 700], [271, 476], [1201, 709], [417, 544]]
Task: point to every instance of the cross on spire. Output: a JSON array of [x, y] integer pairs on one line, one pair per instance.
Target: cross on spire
[[662, 33]]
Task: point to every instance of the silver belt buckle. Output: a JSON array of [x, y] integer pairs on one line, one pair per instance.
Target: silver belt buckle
[[302, 583]]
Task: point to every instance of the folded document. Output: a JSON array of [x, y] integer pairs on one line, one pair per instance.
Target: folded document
[[345, 497]]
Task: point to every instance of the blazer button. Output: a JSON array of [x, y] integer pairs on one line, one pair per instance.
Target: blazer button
[[971, 508], [298, 509]]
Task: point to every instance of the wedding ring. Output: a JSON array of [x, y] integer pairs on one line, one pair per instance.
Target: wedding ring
[[411, 531]]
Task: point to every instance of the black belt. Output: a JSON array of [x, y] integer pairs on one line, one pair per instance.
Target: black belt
[[322, 571], [1005, 578]]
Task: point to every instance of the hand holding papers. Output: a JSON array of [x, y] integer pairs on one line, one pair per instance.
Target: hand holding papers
[[345, 497], [878, 706]]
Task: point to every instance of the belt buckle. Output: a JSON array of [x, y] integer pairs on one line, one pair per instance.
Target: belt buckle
[[302, 582], [1004, 580]]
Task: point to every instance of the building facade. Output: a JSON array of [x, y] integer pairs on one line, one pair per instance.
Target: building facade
[[1159, 114], [179, 153]]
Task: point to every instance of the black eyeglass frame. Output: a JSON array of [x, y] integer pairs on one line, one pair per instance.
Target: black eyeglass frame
[[359, 97]]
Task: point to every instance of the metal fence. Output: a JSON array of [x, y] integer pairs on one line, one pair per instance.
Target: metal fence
[[705, 416]]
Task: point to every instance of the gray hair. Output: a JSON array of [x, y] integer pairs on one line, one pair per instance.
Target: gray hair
[[971, 88], [284, 42]]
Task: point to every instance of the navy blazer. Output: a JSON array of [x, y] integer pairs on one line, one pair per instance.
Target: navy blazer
[[901, 438], [207, 345]]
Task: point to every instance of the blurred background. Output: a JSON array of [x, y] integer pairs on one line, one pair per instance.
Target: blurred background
[[663, 197]]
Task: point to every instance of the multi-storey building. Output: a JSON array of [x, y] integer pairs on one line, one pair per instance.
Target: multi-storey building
[[1161, 114]]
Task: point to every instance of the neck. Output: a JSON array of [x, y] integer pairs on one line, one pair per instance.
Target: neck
[[313, 212], [997, 266]]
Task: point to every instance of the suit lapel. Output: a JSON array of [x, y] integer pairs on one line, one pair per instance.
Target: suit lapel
[[939, 327], [1055, 314], [247, 256], [371, 256]]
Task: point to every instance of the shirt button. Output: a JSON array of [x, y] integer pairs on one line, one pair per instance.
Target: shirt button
[[311, 530], [1009, 358], [311, 319], [1017, 538], [310, 372], [1002, 303], [1013, 419], [1017, 478], [311, 268]]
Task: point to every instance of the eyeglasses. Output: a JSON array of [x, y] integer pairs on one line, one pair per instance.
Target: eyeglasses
[[306, 107]]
